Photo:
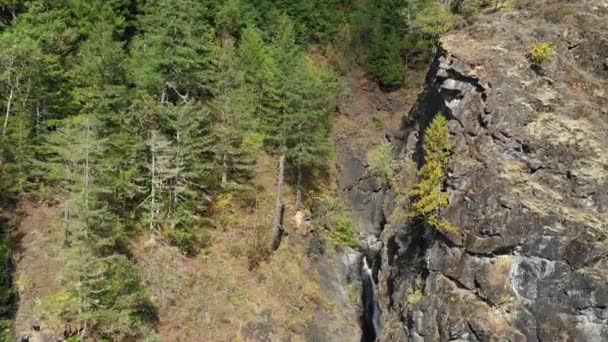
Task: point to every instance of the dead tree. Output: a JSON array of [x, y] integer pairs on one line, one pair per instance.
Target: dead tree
[[278, 229]]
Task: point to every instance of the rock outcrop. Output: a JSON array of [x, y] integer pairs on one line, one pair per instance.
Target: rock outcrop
[[528, 186]]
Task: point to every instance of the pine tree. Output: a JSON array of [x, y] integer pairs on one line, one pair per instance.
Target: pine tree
[[308, 128], [171, 56], [260, 70], [104, 289], [99, 90], [428, 197], [232, 106]]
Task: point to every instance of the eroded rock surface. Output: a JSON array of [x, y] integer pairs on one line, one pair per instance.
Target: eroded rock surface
[[528, 186]]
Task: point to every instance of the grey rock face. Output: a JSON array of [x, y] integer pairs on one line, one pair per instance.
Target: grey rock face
[[528, 188]]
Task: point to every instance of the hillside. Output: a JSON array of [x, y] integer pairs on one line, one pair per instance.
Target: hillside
[[306, 170]]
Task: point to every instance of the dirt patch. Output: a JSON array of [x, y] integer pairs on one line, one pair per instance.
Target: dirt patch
[[37, 261]]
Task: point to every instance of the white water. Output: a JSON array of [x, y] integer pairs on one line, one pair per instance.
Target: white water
[[370, 297]]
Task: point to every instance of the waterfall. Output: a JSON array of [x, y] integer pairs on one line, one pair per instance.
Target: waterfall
[[371, 309]]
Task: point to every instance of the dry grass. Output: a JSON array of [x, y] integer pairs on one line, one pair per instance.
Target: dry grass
[[39, 263], [217, 295], [578, 135]]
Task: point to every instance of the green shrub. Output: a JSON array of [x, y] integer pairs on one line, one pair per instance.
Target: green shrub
[[7, 293], [5, 330], [185, 234], [386, 62], [541, 53], [382, 164], [105, 293], [428, 197], [186, 240], [433, 19], [378, 122], [344, 234]]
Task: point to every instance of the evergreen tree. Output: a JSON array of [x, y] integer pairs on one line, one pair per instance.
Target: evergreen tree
[[104, 290], [428, 197], [378, 28], [20, 63], [308, 128], [99, 90], [172, 54], [260, 70], [232, 106]]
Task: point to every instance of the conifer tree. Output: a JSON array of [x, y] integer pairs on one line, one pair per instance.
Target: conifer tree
[[308, 143], [428, 197], [20, 63], [232, 106], [104, 289], [99, 90], [171, 57], [261, 75]]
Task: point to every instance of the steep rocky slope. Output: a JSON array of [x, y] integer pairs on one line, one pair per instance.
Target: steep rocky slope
[[528, 186]]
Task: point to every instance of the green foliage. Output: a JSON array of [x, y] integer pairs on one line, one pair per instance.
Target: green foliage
[[172, 57], [104, 293], [432, 18], [428, 197], [7, 292], [384, 36], [344, 234], [141, 113], [541, 53], [378, 122], [328, 216], [232, 109], [377, 29], [187, 235], [382, 163]]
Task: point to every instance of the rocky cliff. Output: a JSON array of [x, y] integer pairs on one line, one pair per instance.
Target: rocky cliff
[[528, 186]]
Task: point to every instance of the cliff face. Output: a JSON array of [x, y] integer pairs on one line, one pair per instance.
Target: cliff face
[[528, 186]]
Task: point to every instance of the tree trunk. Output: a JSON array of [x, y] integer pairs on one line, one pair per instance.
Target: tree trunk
[[277, 233], [299, 189], [152, 183], [38, 119], [66, 208], [8, 112], [87, 166], [225, 169]]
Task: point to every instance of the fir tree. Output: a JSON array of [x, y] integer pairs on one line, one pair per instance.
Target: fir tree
[[232, 106], [171, 56], [428, 197]]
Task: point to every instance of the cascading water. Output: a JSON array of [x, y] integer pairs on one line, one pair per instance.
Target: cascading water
[[371, 309]]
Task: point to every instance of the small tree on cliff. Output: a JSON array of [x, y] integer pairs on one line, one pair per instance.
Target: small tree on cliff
[[428, 197]]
